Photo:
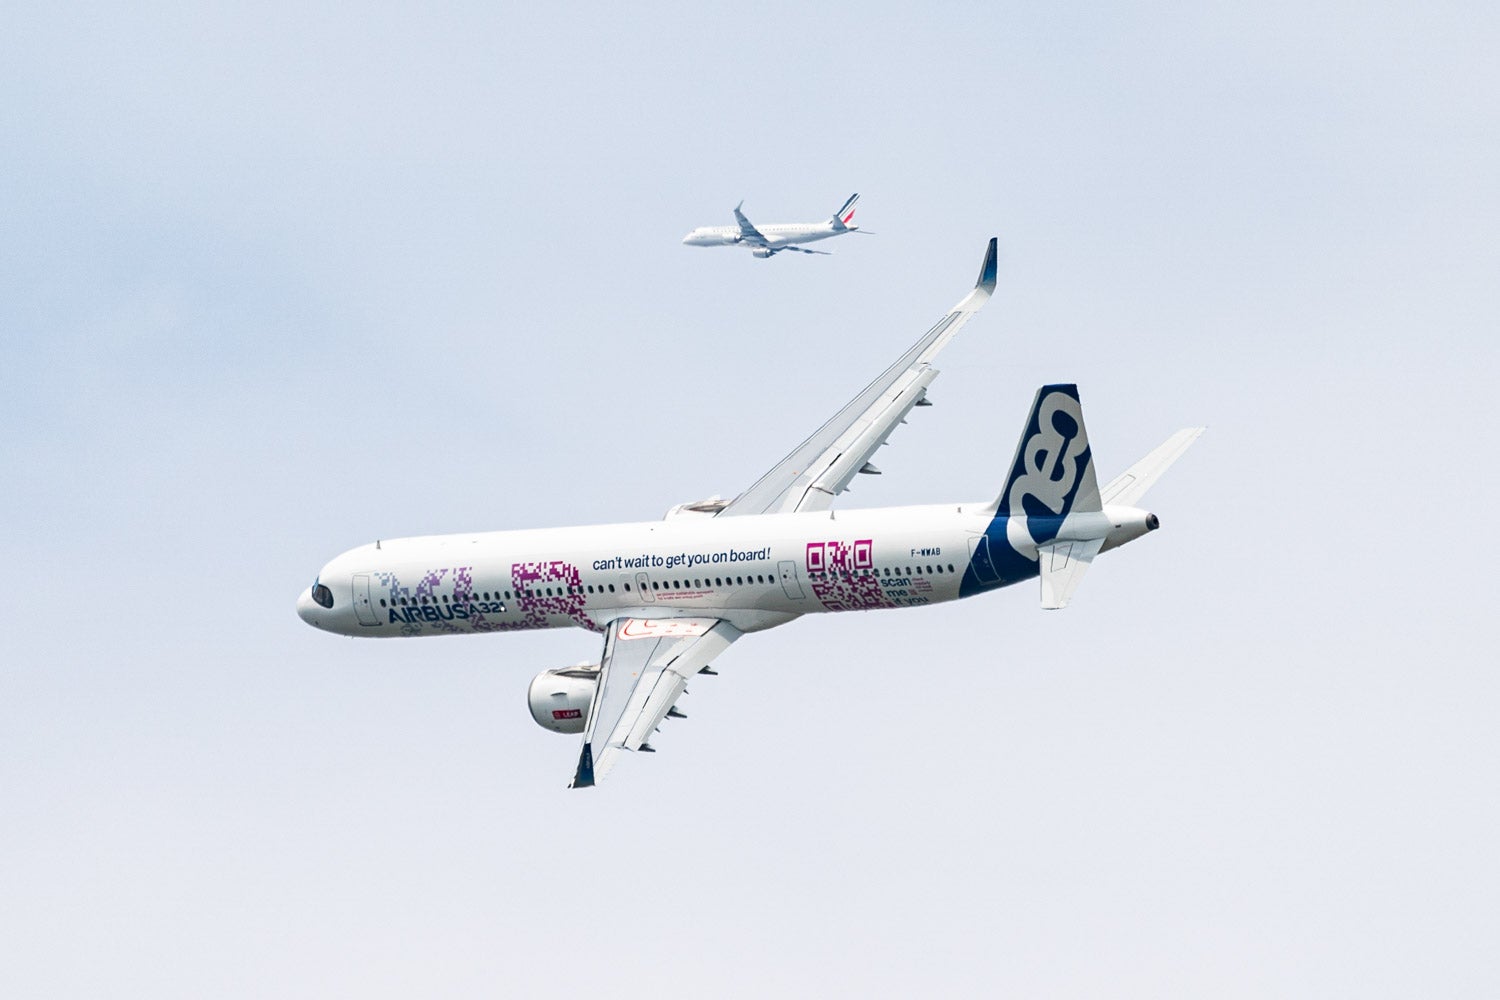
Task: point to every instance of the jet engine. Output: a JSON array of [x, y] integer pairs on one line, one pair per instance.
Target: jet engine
[[761, 252], [559, 699]]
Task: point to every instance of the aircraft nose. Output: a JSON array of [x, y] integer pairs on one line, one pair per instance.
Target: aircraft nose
[[307, 609]]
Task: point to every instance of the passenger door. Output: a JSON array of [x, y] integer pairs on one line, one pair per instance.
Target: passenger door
[[789, 581], [363, 607]]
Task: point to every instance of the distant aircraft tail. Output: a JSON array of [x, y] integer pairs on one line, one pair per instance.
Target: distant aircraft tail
[[841, 218]]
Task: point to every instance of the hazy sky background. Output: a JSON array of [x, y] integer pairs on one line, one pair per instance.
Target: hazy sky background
[[275, 282]]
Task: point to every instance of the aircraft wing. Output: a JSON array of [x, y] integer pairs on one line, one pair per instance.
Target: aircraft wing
[[748, 232], [821, 467], [646, 665]]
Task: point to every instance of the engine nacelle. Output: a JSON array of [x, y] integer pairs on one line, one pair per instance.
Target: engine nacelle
[[559, 699], [761, 252]]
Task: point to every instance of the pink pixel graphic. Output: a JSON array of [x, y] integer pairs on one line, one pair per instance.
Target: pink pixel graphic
[[840, 575], [533, 580]]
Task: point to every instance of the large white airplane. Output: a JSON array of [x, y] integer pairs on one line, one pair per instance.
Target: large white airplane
[[669, 596], [766, 241]]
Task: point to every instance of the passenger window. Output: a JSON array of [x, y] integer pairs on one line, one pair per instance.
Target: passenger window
[[382, 602], [612, 588], [951, 569], [654, 586]]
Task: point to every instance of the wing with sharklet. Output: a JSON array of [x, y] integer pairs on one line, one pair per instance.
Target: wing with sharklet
[[646, 665], [821, 467], [748, 232]]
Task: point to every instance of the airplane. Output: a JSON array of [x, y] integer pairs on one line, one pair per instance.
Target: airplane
[[667, 597], [767, 241]]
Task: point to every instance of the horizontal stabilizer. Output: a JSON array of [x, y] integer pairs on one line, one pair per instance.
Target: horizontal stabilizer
[[1129, 486], [1062, 567]]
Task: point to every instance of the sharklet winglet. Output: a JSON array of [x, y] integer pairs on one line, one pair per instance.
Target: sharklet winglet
[[988, 268], [585, 776]]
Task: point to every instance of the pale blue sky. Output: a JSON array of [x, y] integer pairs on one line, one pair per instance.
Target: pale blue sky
[[274, 283]]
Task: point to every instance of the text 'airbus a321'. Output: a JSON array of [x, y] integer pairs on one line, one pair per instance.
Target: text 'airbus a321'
[[767, 241], [668, 596]]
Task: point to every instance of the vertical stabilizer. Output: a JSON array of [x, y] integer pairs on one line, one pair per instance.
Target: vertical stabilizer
[[841, 218], [1053, 471]]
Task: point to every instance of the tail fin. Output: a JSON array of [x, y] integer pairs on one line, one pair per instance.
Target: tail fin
[[841, 218], [1052, 477], [1052, 474], [1053, 498]]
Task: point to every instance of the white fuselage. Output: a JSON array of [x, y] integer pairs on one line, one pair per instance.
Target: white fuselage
[[754, 572], [778, 235]]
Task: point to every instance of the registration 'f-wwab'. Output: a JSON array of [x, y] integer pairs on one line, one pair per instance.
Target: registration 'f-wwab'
[[669, 596]]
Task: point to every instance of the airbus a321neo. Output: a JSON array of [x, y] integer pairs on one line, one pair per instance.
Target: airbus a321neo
[[767, 241], [669, 596]]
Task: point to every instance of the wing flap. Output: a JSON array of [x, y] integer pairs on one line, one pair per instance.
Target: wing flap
[[646, 665], [748, 232], [864, 438]]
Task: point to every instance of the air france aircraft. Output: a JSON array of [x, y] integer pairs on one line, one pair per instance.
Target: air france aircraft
[[767, 241], [667, 597]]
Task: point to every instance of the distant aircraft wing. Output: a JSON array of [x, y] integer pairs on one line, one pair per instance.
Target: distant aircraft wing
[[646, 665], [826, 253], [821, 467], [748, 232]]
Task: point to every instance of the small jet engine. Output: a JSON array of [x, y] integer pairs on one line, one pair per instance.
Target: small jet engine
[[559, 699], [761, 252]]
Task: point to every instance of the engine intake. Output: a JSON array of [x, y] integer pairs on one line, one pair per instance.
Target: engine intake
[[559, 699]]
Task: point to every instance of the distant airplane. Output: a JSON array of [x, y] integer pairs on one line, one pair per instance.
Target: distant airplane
[[766, 241], [669, 596]]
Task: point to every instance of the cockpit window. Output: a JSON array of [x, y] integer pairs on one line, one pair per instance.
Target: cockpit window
[[322, 595]]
